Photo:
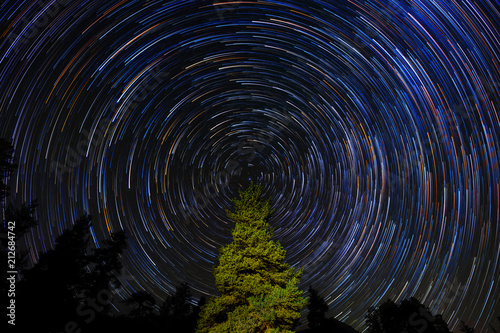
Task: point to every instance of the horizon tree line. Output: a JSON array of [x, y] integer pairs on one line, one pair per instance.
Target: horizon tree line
[[70, 287]]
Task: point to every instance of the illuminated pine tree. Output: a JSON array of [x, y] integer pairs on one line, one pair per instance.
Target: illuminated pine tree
[[259, 291]]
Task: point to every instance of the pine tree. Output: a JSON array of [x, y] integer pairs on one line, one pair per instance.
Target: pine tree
[[142, 304], [60, 282], [409, 316], [317, 309], [259, 291], [464, 328], [177, 313]]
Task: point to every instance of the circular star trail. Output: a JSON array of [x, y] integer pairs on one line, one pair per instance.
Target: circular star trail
[[373, 127]]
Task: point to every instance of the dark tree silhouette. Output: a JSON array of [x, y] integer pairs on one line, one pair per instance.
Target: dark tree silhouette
[[440, 324], [22, 216], [142, 304], [178, 305], [317, 309], [19, 220], [104, 264], [23, 220], [7, 165], [410, 316], [197, 308], [464, 328], [177, 308], [59, 289], [318, 323], [493, 328], [177, 312]]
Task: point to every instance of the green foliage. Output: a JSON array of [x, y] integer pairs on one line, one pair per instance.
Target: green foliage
[[259, 291]]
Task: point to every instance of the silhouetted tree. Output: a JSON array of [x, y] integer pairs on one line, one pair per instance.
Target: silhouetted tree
[[52, 285], [259, 291], [317, 309], [7, 165], [23, 220], [177, 313], [410, 316], [59, 286], [142, 304], [197, 309], [22, 216], [178, 305], [492, 326], [464, 328], [17, 221], [440, 324], [105, 264]]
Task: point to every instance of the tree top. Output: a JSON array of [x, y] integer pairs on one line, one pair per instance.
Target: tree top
[[250, 208]]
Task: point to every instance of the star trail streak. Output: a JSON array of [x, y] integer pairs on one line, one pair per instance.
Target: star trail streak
[[373, 126]]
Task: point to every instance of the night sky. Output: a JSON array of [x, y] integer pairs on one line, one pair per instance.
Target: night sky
[[373, 127]]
